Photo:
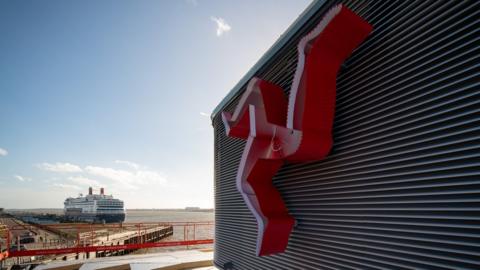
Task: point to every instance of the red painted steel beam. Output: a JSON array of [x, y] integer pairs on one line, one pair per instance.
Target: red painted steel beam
[[38, 252]]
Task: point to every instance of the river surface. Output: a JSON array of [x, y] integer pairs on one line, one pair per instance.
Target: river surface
[[143, 215], [168, 216]]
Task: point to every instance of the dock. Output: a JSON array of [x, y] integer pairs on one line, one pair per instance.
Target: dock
[[83, 241]]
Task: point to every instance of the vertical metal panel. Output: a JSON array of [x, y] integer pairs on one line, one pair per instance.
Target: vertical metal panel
[[401, 188]]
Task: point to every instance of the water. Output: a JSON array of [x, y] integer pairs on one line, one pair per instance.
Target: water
[[179, 232], [137, 216], [141, 215]]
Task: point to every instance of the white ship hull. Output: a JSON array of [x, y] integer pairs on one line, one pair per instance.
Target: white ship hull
[[94, 208]]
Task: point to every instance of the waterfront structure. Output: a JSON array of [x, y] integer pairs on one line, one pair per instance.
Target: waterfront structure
[[399, 188], [95, 208]]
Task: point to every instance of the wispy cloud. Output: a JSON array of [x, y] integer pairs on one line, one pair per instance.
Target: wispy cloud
[[66, 186], [84, 181], [222, 25], [130, 164], [130, 176], [3, 152], [192, 2], [59, 167], [22, 178], [204, 114], [128, 179]]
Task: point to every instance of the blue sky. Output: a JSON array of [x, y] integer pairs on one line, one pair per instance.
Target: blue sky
[[118, 94]]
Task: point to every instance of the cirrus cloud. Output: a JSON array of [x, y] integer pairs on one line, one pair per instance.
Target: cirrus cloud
[[3, 152], [84, 181], [66, 186], [22, 178], [130, 164], [130, 176], [222, 25], [59, 167], [193, 2], [131, 179]]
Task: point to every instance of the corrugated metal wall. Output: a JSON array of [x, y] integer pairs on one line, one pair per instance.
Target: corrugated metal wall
[[401, 188]]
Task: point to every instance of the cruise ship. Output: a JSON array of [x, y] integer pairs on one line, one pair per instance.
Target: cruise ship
[[95, 208]]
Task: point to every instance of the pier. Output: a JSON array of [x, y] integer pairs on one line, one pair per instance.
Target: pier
[[76, 241]]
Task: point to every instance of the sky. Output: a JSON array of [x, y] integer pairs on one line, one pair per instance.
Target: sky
[[118, 94]]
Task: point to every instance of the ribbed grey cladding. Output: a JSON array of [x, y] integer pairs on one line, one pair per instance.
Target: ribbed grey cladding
[[401, 188]]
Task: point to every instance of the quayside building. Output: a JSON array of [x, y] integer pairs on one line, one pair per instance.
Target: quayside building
[[400, 187]]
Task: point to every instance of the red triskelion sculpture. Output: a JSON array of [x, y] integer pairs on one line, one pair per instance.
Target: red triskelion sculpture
[[299, 131]]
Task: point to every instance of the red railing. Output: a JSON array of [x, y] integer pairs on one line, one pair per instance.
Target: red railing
[[36, 252], [88, 243]]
